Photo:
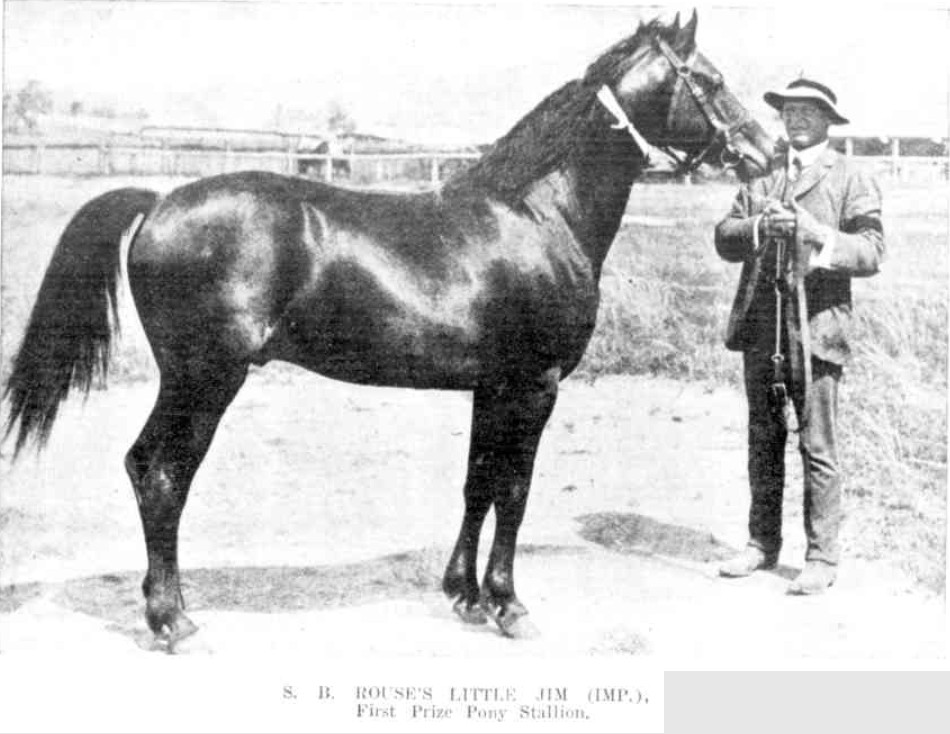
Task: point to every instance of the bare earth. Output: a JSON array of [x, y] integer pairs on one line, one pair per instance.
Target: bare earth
[[321, 521]]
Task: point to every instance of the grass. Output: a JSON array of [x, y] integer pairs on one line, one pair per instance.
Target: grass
[[666, 296], [666, 299]]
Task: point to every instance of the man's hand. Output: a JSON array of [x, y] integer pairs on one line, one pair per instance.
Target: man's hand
[[778, 220]]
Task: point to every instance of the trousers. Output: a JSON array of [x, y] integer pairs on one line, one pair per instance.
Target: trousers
[[817, 444]]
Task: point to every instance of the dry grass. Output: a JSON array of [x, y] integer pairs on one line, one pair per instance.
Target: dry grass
[[665, 298]]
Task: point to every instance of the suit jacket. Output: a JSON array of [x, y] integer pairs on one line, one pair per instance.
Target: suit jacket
[[837, 193]]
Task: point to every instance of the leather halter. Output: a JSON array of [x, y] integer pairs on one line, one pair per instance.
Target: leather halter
[[721, 130]]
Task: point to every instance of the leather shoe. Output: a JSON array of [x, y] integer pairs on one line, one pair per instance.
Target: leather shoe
[[814, 578], [751, 559]]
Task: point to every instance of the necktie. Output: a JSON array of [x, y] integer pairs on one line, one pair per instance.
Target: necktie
[[795, 169]]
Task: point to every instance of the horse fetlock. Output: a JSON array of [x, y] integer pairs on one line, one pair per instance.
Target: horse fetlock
[[459, 578], [498, 584], [455, 584]]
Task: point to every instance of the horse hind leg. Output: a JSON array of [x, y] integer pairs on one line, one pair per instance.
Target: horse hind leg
[[161, 465]]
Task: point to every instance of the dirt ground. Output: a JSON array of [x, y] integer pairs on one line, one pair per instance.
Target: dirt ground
[[323, 516]]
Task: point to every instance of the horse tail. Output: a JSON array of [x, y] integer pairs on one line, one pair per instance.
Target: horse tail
[[68, 337]]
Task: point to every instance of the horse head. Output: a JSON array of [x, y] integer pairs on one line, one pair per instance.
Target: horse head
[[677, 100]]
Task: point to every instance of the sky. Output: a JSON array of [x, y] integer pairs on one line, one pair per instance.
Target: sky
[[466, 69]]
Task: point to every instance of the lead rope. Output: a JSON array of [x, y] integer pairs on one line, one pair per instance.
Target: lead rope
[[798, 315], [779, 390]]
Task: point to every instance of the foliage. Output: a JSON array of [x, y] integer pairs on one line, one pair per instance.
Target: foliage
[[22, 108], [338, 120]]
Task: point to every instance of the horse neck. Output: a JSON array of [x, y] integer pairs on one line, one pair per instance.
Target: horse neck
[[564, 157], [592, 188]]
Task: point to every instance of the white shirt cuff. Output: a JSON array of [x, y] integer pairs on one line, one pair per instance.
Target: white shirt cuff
[[822, 258]]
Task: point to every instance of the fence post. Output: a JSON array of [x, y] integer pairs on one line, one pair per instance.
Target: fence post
[[290, 159], [434, 172], [849, 147], [328, 167], [38, 158]]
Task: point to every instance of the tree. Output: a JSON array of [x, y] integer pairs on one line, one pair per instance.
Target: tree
[[21, 109], [339, 121]]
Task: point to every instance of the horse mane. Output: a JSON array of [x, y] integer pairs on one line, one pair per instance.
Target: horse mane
[[552, 133]]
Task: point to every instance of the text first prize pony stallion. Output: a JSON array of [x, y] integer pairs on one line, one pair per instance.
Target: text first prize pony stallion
[[489, 284]]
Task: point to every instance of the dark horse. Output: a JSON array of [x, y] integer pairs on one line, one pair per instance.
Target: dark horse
[[489, 284]]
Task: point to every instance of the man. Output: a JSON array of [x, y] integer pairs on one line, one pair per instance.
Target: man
[[801, 232]]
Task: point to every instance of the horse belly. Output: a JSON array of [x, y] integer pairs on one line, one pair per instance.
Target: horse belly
[[353, 328], [386, 354]]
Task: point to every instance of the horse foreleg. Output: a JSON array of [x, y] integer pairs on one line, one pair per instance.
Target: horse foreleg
[[161, 465], [507, 426], [460, 582]]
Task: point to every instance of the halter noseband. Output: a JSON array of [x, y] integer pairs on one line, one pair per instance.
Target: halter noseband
[[685, 77]]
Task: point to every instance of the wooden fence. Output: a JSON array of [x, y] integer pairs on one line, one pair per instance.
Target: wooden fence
[[109, 160], [78, 159]]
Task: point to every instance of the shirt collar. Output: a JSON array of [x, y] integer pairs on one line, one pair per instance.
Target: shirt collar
[[807, 156]]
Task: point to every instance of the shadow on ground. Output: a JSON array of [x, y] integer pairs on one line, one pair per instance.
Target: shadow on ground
[[632, 533], [117, 598], [274, 589], [640, 535]]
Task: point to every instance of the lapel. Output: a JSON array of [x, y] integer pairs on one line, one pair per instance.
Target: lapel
[[774, 183], [814, 173]]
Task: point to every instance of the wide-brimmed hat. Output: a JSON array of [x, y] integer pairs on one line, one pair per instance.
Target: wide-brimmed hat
[[808, 89]]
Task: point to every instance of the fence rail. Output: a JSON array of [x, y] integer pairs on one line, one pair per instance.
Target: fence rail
[[108, 159], [86, 159]]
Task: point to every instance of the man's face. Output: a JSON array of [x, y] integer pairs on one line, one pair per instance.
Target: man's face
[[806, 122]]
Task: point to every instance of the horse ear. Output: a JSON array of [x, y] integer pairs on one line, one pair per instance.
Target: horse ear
[[686, 38], [675, 25]]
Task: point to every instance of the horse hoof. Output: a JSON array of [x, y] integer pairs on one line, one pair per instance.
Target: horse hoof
[[469, 613], [521, 628], [180, 629], [508, 617]]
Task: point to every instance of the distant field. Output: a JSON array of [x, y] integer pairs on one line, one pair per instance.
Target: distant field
[[667, 294], [665, 299]]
